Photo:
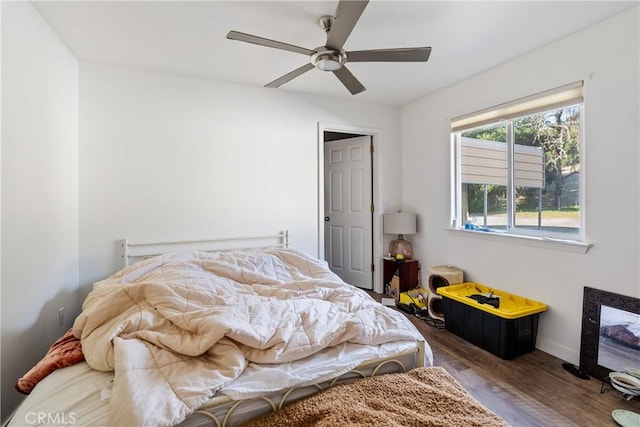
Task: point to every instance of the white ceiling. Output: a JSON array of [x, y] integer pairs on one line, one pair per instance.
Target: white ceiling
[[188, 38]]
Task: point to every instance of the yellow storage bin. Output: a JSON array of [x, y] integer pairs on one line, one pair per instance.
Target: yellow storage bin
[[507, 331], [511, 306]]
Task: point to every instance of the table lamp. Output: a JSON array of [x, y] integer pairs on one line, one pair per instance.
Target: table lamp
[[400, 223]]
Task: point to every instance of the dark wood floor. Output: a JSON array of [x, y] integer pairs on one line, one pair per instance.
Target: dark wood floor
[[530, 390]]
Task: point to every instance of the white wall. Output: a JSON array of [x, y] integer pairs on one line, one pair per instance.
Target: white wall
[[606, 57], [39, 191], [174, 158]]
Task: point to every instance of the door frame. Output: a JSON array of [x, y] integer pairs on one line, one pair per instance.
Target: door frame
[[376, 240]]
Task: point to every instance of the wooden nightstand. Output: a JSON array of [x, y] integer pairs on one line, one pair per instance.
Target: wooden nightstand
[[408, 271]]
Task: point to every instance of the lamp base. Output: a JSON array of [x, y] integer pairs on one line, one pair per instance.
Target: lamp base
[[402, 247]]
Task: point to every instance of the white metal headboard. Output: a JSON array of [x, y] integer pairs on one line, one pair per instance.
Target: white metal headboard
[[130, 251]]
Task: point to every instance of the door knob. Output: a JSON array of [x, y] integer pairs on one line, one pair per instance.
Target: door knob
[[326, 218]]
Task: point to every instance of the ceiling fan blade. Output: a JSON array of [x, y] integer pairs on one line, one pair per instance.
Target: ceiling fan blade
[[411, 54], [290, 76], [347, 15], [243, 37], [349, 81]]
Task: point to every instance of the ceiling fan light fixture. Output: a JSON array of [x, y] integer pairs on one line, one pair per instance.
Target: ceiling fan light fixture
[[328, 64], [328, 60]]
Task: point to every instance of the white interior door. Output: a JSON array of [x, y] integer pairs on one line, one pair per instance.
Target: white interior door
[[348, 217]]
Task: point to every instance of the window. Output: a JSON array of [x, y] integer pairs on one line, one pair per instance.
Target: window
[[517, 166]]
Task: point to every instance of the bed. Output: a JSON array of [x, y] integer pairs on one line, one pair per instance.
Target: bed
[[217, 337]]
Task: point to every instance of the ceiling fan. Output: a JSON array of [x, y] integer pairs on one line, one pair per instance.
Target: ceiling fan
[[332, 57]]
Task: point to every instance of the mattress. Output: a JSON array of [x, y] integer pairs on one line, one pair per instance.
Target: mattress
[[80, 395]]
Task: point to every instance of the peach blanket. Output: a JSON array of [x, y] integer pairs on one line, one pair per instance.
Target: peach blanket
[[66, 351]]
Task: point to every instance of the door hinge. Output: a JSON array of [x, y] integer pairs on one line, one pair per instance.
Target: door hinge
[[373, 267], [371, 147], [373, 208]]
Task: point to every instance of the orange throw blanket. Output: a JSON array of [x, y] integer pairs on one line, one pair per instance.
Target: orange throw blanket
[[66, 351]]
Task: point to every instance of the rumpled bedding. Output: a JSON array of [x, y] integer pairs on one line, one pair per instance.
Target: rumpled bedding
[[178, 327]]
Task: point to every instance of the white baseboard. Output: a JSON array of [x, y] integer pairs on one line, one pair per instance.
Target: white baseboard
[[560, 351]]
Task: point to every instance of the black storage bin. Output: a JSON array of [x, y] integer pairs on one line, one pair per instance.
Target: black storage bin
[[502, 334]]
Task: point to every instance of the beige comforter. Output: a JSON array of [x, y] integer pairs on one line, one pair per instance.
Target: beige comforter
[[176, 328]]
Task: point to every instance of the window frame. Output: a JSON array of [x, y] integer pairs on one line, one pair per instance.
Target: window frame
[[569, 95]]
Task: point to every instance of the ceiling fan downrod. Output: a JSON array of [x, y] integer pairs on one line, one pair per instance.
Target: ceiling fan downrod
[[327, 59]]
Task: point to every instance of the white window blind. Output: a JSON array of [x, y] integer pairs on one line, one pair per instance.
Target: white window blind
[[485, 162], [570, 94]]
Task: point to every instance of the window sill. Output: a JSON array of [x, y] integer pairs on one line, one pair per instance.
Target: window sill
[[539, 242]]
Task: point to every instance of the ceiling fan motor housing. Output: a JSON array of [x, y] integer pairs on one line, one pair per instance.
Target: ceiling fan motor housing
[[328, 59]]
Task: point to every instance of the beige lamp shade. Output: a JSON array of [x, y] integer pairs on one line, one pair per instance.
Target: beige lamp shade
[[400, 223]]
